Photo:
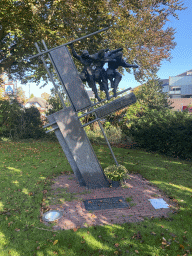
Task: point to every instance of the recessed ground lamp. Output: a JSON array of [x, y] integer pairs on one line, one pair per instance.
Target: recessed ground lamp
[[52, 215]]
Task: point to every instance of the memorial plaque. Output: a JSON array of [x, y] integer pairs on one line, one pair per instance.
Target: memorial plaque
[[70, 79], [105, 203], [116, 105], [158, 203]]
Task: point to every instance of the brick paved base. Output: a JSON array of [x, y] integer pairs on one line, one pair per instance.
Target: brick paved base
[[139, 189]]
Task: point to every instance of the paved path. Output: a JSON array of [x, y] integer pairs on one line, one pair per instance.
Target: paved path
[[140, 190]]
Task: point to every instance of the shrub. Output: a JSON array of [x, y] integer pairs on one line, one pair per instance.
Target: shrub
[[114, 134], [116, 173], [164, 131], [19, 123]]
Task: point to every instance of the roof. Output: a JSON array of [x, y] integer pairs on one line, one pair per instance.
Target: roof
[[39, 100], [185, 73], [164, 82], [179, 102]]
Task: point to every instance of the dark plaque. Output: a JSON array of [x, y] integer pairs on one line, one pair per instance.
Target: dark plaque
[[105, 203], [116, 105]]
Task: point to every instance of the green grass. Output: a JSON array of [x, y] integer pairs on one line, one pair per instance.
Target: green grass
[[26, 170]]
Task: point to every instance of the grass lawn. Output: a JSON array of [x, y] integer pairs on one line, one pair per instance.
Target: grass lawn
[[26, 170]]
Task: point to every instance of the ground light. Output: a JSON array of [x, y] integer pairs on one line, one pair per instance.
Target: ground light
[[52, 215]]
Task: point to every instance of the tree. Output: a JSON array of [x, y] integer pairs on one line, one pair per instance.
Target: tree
[[31, 96], [45, 96], [149, 97], [19, 123], [137, 26], [21, 94]]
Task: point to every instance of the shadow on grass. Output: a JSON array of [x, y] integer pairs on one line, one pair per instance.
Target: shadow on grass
[[25, 176]]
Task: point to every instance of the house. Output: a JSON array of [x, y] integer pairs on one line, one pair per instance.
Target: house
[[179, 86], [179, 89], [180, 104], [37, 102]]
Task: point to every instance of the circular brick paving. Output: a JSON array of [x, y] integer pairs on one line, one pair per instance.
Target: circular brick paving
[[140, 190]]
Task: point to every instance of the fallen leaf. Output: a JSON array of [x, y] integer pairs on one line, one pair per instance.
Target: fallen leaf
[[171, 234], [139, 235], [181, 246], [55, 242]]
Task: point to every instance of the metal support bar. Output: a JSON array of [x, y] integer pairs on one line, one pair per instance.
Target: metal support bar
[[50, 76], [47, 125], [73, 41], [101, 127], [99, 103], [91, 122], [53, 129]]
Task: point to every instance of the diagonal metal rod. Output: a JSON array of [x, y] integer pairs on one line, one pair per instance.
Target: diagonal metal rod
[[101, 127], [73, 41], [50, 76]]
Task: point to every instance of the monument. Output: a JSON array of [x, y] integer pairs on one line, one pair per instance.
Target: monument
[[66, 123]]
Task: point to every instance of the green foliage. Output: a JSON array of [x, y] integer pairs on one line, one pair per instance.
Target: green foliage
[[137, 26], [19, 123], [31, 124], [54, 102], [26, 171], [114, 134], [11, 114], [164, 131], [149, 96], [116, 173]]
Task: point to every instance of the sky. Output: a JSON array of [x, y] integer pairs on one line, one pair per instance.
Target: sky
[[181, 55]]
